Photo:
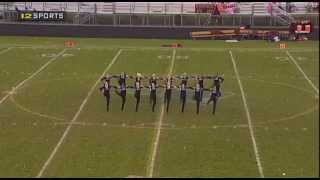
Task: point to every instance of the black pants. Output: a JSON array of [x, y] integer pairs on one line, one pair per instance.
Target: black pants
[[107, 95], [153, 99], [167, 98], [218, 89], [137, 96], [197, 97], [214, 99], [122, 94], [183, 96], [198, 104], [201, 94]]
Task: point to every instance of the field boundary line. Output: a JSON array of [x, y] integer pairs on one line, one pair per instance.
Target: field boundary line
[[255, 147], [75, 117], [302, 72], [30, 77], [6, 50], [159, 125]]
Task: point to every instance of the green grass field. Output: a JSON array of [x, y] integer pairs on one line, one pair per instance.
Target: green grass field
[[54, 123]]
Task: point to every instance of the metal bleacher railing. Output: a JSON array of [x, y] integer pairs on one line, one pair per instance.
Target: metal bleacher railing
[[257, 8], [170, 13]]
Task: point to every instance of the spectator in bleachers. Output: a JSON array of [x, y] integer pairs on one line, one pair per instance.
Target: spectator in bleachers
[[269, 7], [216, 11], [290, 7]]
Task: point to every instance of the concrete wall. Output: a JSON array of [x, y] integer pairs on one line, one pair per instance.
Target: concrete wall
[[61, 30]]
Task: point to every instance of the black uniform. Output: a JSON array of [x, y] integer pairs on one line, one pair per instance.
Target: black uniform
[[200, 81], [123, 89], [184, 80], [153, 93], [122, 78], [197, 96], [183, 91], [137, 92], [167, 94], [106, 91], [217, 80], [214, 97], [123, 93], [183, 95]]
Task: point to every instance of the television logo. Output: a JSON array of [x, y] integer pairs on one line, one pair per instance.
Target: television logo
[[42, 16]]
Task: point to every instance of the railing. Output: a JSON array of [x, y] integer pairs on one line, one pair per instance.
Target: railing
[[281, 15], [144, 7], [144, 14]]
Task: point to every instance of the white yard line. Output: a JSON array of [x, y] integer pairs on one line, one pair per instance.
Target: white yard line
[[309, 81], [84, 102], [255, 148], [30, 77], [159, 125], [5, 50], [304, 74]]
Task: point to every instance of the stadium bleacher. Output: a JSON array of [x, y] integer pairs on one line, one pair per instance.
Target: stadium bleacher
[[256, 8]]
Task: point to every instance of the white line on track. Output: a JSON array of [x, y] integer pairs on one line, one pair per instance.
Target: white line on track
[[255, 148], [304, 74], [84, 102], [5, 50], [30, 77], [159, 125]]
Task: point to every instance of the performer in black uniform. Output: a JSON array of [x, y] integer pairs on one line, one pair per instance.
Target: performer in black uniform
[[168, 91], [137, 92], [183, 90], [200, 81], [106, 89], [183, 94], [153, 91], [214, 97], [184, 78], [122, 78], [217, 81], [197, 96], [122, 89]]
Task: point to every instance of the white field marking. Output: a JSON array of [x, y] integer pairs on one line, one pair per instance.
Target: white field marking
[[156, 142], [5, 50], [63, 121], [51, 55], [84, 102], [255, 148], [68, 55], [300, 69], [281, 84], [19, 106], [30, 77], [64, 78], [310, 110], [172, 126], [182, 57]]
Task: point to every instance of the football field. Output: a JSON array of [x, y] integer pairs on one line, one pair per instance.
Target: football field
[[54, 122]]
